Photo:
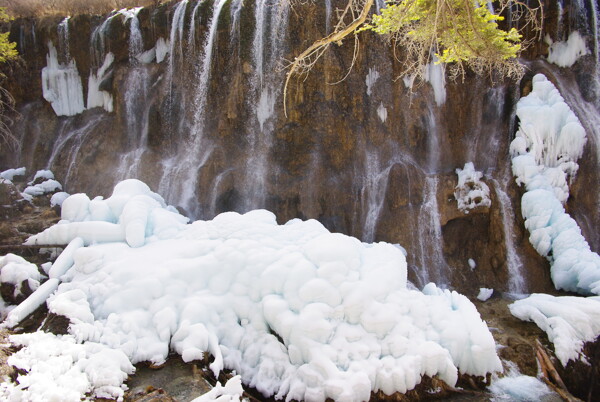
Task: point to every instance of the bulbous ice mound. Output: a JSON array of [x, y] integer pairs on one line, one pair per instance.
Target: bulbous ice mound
[[297, 311], [545, 151]]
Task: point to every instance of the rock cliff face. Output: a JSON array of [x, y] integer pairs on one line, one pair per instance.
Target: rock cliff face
[[371, 155]]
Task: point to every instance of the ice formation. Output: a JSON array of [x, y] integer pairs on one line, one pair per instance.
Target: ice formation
[[162, 49], [514, 386], [569, 321], [11, 173], [436, 76], [97, 97], [565, 54], [548, 143], [371, 79], [61, 85], [298, 312], [382, 112], [471, 192]]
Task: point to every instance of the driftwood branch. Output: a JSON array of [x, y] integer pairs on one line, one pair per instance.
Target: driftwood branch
[[551, 376], [318, 46]]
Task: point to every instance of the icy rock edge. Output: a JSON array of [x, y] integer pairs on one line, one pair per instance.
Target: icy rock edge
[[298, 312]]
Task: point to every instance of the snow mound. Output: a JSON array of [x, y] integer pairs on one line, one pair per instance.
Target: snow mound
[[485, 294], [57, 368], [16, 270], [545, 151], [42, 174], [45, 187], [11, 173], [58, 198], [298, 312], [471, 192], [569, 321]]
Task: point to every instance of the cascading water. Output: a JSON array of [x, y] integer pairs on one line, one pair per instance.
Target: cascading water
[[272, 19], [63, 40], [98, 40], [516, 280], [431, 257], [136, 43], [180, 175], [68, 144]]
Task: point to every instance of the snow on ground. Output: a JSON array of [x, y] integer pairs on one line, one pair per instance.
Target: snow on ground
[[545, 151], [58, 368], [471, 192], [569, 321], [230, 392], [295, 310]]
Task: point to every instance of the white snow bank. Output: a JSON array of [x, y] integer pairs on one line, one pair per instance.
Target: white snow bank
[[545, 151], [42, 188], [61, 85], [60, 369], [471, 192], [515, 386], [295, 310], [485, 294], [569, 321], [565, 54], [11, 173], [15, 270], [230, 392]]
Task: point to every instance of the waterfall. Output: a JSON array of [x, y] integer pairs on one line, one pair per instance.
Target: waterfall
[[136, 42], [516, 280], [235, 10], [98, 40], [430, 241], [136, 97], [182, 170], [272, 18], [177, 27], [67, 145], [192, 30], [63, 40]]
